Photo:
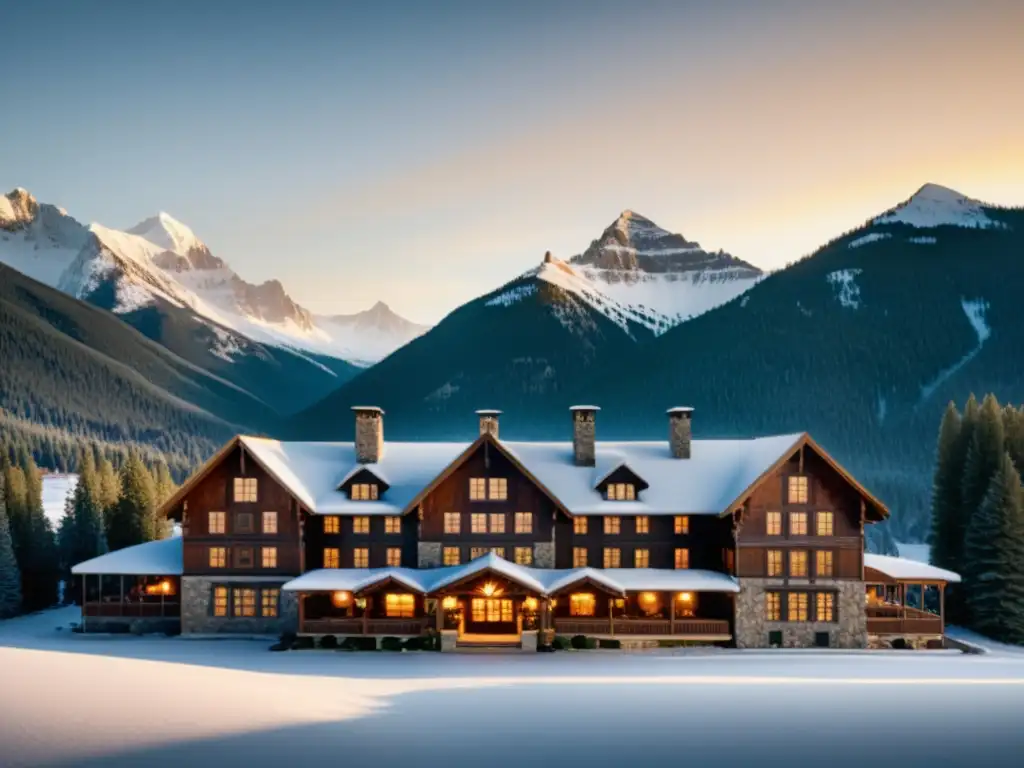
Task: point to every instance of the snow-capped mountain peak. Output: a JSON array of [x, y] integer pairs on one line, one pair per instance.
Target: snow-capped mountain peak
[[934, 205], [178, 239]]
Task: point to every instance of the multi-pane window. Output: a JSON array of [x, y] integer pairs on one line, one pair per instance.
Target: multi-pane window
[[620, 492], [220, 601], [361, 557], [798, 564], [612, 524], [825, 606], [475, 552], [682, 558], [392, 525], [243, 522], [524, 555], [612, 557], [363, 492], [579, 557], [218, 557], [478, 522], [643, 524], [797, 489], [579, 525], [825, 523], [497, 488], [797, 523], [682, 524], [243, 601], [268, 602], [491, 610], [270, 523], [450, 556], [215, 522], [268, 557], [399, 606], [773, 524], [822, 563], [243, 557], [499, 551], [245, 489], [332, 524], [394, 557], [797, 606], [641, 558], [452, 522], [497, 522], [332, 557], [773, 606], [524, 522], [774, 562], [477, 488], [582, 604], [360, 524]]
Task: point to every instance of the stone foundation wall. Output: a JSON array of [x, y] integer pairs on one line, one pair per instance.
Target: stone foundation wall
[[544, 555], [850, 631], [428, 554], [197, 609]]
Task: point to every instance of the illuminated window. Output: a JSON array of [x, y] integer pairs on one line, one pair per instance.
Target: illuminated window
[[772, 606], [478, 523], [332, 524], [268, 557], [332, 558], [797, 489], [452, 522], [797, 605], [825, 609], [774, 562], [215, 522], [497, 523], [682, 558], [450, 556], [399, 606], [620, 492], [797, 523], [491, 610], [612, 557], [822, 563], [394, 557], [475, 552], [524, 555], [579, 557], [798, 564], [243, 522], [612, 524], [392, 525], [499, 551], [477, 488], [643, 524], [218, 557], [579, 525], [582, 604], [268, 602], [497, 489], [825, 523], [360, 525], [243, 601], [270, 523], [363, 492], [641, 558], [245, 489], [682, 524], [220, 601], [243, 557], [524, 522], [773, 524], [361, 557]]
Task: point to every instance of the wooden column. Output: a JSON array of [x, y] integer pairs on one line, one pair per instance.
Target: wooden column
[[366, 615], [611, 615], [85, 596], [302, 611], [439, 614], [942, 607], [671, 613]]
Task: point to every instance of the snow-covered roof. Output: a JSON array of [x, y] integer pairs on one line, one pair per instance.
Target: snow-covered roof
[[162, 557], [904, 570], [543, 581]]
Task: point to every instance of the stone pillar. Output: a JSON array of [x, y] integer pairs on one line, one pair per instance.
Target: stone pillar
[[489, 422], [369, 435], [428, 554], [584, 435], [449, 639], [544, 554], [679, 431]]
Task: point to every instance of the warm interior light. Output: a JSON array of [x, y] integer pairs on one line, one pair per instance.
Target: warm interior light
[[165, 587], [449, 603], [685, 597], [490, 589], [530, 603], [648, 597], [340, 599]]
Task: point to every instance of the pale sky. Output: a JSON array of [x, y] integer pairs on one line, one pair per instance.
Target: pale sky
[[425, 155]]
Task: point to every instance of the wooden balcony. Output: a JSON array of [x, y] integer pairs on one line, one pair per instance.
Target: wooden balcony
[[359, 627], [113, 609], [900, 620], [699, 628]]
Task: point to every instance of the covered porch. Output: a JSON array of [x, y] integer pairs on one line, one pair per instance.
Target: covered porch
[[905, 600]]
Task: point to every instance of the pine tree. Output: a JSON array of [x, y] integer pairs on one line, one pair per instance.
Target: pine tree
[[130, 521], [994, 558], [10, 576], [165, 488], [946, 535], [983, 457]]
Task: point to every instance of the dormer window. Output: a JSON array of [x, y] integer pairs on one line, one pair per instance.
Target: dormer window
[[363, 492], [620, 492]]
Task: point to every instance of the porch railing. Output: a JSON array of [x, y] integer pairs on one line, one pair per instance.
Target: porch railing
[[133, 610], [357, 626], [901, 620], [623, 626]]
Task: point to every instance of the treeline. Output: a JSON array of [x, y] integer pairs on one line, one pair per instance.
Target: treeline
[[109, 509], [978, 516]]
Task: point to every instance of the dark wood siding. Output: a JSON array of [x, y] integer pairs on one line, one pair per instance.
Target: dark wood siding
[[346, 541]]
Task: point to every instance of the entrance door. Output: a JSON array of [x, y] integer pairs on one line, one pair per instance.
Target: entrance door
[[491, 616]]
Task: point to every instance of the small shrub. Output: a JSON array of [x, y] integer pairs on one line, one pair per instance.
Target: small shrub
[[413, 643], [900, 644], [302, 643], [173, 630], [545, 649], [391, 644], [560, 643], [609, 643], [579, 642], [288, 638], [77, 629], [329, 641], [359, 644], [590, 643], [430, 641]]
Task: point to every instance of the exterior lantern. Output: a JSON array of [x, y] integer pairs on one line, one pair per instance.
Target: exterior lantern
[[685, 597], [449, 603], [340, 599], [648, 597], [530, 603]]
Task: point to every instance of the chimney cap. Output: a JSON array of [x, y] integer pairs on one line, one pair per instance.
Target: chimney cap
[[680, 409], [488, 412], [584, 408], [368, 408]]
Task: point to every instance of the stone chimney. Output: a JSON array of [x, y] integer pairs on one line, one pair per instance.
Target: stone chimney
[[489, 422], [679, 434], [583, 434], [369, 433]]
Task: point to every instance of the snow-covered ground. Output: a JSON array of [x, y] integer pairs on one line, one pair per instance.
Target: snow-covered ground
[[55, 490], [125, 701]]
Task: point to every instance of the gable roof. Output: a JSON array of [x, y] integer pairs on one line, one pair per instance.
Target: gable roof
[[902, 569]]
